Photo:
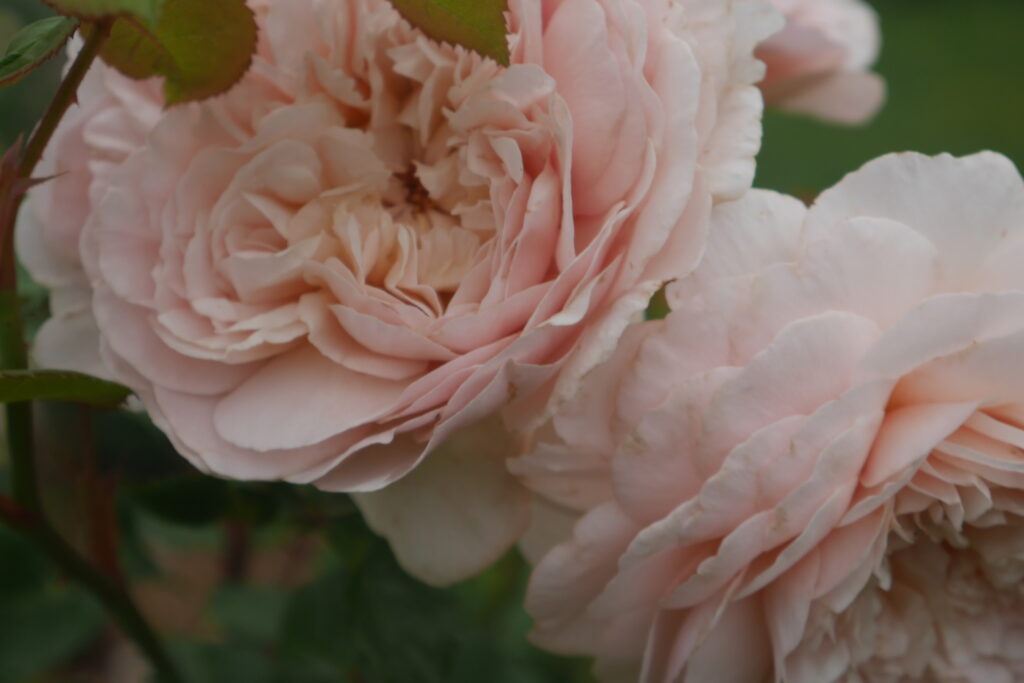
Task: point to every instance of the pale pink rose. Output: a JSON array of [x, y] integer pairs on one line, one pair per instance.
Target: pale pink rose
[[110, 120], [375, 243], [819, 63], [812, 470]]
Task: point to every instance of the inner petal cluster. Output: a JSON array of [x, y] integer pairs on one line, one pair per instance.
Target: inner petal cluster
[[382, 191]]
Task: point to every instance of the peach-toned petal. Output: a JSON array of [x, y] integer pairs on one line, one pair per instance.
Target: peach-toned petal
[[138, 344], [942, 326], [600, 97], [211, 452], [334, 399], [574, 573], [758, 230], [818, 451], [68, 339], [49, 266], [455, 514], [844, 97], [909, 434], [549, 525], [716, 659], [729, 123], [373, 463], [937, 197], [822, 351]]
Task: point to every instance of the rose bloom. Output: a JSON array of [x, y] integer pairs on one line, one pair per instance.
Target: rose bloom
[[812, 470], [818, 64], [375, 242], [113, 117]]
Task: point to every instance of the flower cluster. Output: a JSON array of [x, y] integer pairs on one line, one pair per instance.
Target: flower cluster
[[375, 242], [393, 268]]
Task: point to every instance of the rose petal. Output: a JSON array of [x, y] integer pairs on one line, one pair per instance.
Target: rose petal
[[462, 489]]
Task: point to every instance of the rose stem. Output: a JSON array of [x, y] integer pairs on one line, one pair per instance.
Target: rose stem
[[32, 521], [64, 98]]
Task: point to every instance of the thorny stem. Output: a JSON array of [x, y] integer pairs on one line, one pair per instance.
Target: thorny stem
[[64, 98], [109, 592], [27, 515]]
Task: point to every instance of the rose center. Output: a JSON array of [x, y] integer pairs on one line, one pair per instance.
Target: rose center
[[416, 195]]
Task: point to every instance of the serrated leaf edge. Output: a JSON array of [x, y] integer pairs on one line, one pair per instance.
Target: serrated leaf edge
[[503, 59], [17, 76]]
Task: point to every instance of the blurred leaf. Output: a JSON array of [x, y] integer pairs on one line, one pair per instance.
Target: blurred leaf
[[476, 24], [201, 48], [33, 45], [192, 500], [135, 557], [23, 103], [9, 25], [221, 663], [352, 541], [129, 443], [316, 622], [23, 569], [39, 631], [369, 620], [146, 10], [59, 385], [249, 613], [256, 504], [161, 532]]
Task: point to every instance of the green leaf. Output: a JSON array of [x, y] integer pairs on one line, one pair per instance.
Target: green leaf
[[200, 47], [135, 554], [33, 45], [59, 385], [39, 631], [658, 307], [146, 10], [318, 620], [249, 613], [121, 435], [476, 24], [192, 500], [216, 663], [24, 569], [254, 503]]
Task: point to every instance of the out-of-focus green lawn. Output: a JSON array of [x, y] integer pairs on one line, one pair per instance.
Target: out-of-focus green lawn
[[955, 70]]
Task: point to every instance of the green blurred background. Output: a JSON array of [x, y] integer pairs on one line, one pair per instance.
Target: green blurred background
[[267, 583], [955, 72]]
